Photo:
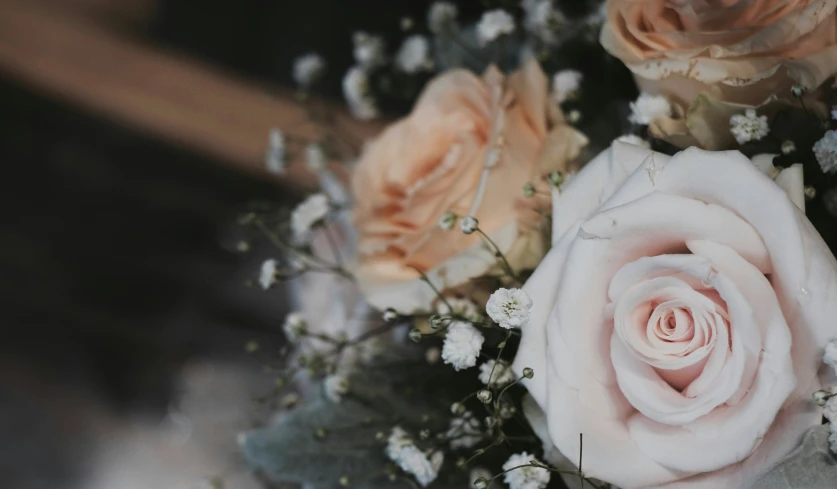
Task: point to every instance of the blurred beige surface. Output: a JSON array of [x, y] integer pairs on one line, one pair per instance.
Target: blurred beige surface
[[71, 51], [194, 443]]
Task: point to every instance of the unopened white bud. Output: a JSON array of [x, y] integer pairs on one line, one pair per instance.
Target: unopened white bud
[[469, 224], [821, 397], [556, 178], [447, 221], [415, 335], [390, 315], [484, 395]]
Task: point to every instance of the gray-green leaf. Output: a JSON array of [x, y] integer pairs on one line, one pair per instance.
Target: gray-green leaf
[[810, 466]]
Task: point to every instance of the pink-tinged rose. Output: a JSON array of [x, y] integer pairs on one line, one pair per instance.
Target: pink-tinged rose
[[469, 146], [740, 51], [679, 319]]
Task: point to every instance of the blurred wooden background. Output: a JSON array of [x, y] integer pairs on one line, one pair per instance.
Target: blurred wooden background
[[130, 132]]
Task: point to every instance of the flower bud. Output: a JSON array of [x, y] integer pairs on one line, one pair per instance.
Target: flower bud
[[528, 190], [798, 90], [457, 408], [821, 397], [344, 481], [528, 373], [481, 483], [435, 321], [390, 315], [447, 221], [484, 395], [468, 224], [556, 178], [788, 147], [415, 335]]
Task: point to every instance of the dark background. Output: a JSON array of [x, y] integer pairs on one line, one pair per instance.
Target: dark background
[[117, 266], [117, 261]]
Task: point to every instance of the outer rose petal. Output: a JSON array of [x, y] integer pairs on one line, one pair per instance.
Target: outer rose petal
[[739, 52], [579, 395]]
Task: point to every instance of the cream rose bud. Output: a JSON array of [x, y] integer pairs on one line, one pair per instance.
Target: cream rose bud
[[468, 140], [678, 319]]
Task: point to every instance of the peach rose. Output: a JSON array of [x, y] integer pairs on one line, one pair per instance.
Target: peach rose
[[679, 319], [468, 147], [740, 51]]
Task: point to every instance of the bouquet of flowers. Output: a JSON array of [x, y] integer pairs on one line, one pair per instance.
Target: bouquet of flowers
[[595, 253]]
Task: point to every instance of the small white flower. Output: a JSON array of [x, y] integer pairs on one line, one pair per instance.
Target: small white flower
[[309, 212], [462, 345], [368, 49], [447, 221], [788, 147], [509, 307], [542, 19], [830, 355], [648, 107], [635, 140], [275, 157], [503, 373], [462, 307], [267, 275], [441, 17], [493, 24], [565, 84], [356, 92], [826, 152], [336, 386], [402, 450], [315, 158], [465, 431], [295, 326], [308, 69], [468, 224], [479, 473], [413, 56], [748, 127], [525, 477]]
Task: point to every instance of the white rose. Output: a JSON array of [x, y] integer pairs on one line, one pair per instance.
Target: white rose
[[679, 318]]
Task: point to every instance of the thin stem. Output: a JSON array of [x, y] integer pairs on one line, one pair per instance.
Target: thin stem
[[435, 290], [277, 241], [332, 242], [500, 395], [497, 361], [455, 38], [499, 254], [482, 451], [580, 457]]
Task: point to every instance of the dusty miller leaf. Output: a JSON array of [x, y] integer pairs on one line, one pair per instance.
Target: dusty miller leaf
[[291, 451], [810, 466]]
